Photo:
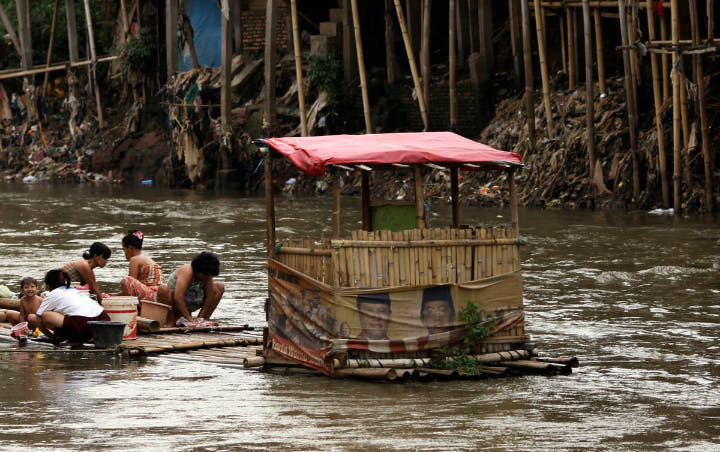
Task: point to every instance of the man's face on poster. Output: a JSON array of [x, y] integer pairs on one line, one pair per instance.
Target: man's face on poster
[[437, 316], [374, 319]]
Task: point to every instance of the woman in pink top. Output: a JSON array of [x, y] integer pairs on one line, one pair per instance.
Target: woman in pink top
[[144, 274]]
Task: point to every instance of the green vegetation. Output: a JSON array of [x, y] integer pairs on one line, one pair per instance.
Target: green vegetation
[[460, 357], [325, 74], [138, 53]]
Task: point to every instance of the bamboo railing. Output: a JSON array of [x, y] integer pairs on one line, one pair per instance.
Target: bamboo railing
[[405, 258]]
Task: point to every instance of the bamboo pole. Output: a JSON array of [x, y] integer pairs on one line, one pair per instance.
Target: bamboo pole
[[657, 98], [600, 51], [270, 61], [419, 197], [148, 325], [632, 121], [702, 107], [572, 71], [10, 303], [337, 213], [298, 68], [589, 98], [50, 47], [666, 73], [544, 69], [514, 25], [93, 59], [361, 67], [451, 63], [677, 137], [269, 202], [710, 12], [413, 65], [527, 59], [425, 243], [10, 31], [171, 42], [58, 67], [225, 71], [367, 374], [390, 59], [455, 197], [23, 16], [472, 34], [425, 50], [513, 202]]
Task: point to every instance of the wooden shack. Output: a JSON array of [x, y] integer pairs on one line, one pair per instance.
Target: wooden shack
[[394, 290]]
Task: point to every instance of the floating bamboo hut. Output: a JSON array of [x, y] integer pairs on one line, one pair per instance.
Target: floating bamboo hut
[[395, 293]]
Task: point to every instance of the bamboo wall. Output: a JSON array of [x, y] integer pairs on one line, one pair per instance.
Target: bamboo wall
[[414, 257]]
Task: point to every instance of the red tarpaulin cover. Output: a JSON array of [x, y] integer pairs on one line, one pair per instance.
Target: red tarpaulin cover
[[313, 154]]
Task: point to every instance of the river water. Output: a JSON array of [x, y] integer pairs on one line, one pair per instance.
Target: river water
[[633, 296]]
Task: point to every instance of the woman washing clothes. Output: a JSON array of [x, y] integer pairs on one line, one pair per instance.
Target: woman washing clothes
[[64, 313], [82, 271], [144, 274]]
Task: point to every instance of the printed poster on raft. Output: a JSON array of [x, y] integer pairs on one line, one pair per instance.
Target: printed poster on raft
[[309, 321]]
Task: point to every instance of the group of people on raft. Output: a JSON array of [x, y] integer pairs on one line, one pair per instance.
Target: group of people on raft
[[63, 313]]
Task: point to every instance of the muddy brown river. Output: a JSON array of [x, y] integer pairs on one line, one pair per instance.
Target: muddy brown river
[[632, 295]]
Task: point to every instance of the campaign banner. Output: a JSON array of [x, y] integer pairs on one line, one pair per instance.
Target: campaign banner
[[309, 321]]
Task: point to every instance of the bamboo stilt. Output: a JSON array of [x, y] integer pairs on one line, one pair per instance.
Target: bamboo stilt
[[685, 120], [563, 43], [337, 216], [600, 52], [10, 31], [269, 108], [677, 137], [454, 196], [269, 203], [50, 48], [572, 71], [413, 65], [93, 58], [589, 101], [666, 73], [425, 50], [527, 59], [544, 69], [451, 64], [514, 25], [390, 60], [419, 197], [361, 67], [657, 97], [632, 114], [298, 67], [704, 127]]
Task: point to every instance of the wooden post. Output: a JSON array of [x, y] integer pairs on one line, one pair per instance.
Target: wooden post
[[485, 39], [472, 29], [23, 16], [225, 65], [710, 11], [348, 48], [572, 72], [460, 26], [657, 97], [563, 43], [365, 200], [513, 6], [237, 27], [413, 65], [337, 213], [50, 48], [589, 102], [425, 50], [270, 58], [390, 59], [419, 197], [10, 31], [513, 201], [171, 42], [298, 68], [124, 19], [527, 57], [704, 128], [599, 48], [677, 132], [451, 64], [71, 30], [455, 196], [361, 67], [632, 114], [269, 202], [93, 63], [544, 69]]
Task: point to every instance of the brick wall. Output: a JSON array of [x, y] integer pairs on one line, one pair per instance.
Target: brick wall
[[253, 29]]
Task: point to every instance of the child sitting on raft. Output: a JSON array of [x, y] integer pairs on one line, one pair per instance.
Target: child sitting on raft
[[64, 313], [29, 303], [144, 274], [82, 271], [192, 287]]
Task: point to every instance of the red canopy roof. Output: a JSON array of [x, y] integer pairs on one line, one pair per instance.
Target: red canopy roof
[[313, 154]]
